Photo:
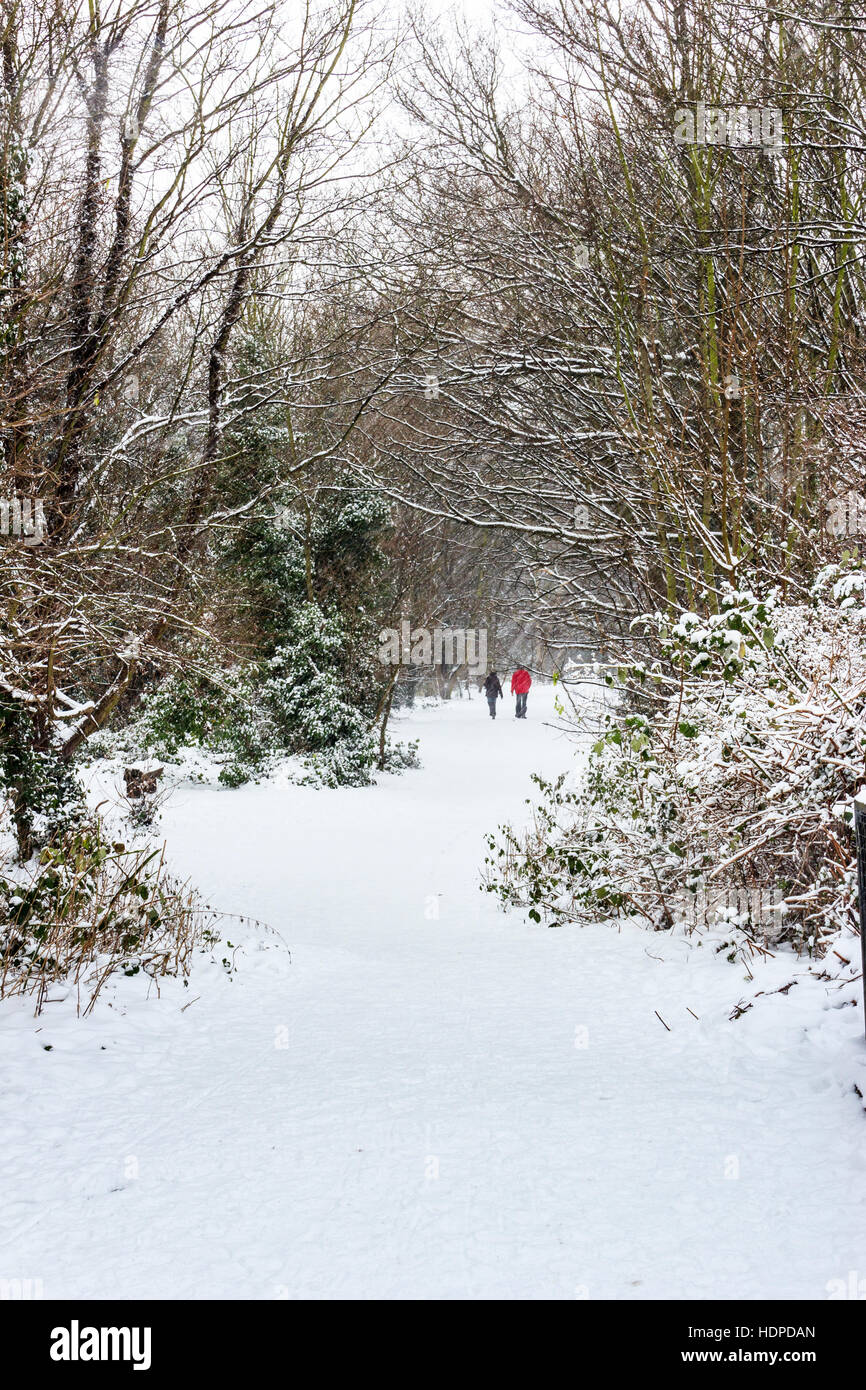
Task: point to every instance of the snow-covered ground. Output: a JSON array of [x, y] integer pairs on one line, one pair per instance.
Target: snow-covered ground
[[429, 1099]]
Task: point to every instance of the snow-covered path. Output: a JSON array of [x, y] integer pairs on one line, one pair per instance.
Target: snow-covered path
[[432, 1099]]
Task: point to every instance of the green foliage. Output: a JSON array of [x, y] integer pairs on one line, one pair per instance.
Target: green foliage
[[44, 791], [218, 713], [314, 697], [309, 585], [314, 687], [325, 550], [728, 643]]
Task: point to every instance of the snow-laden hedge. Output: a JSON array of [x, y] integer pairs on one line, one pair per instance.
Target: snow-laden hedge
[[720, 788]]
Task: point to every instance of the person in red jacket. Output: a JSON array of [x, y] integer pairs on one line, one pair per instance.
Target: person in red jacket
[[520, 683]]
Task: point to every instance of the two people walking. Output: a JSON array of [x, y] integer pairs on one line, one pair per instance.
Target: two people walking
[[520, 683]]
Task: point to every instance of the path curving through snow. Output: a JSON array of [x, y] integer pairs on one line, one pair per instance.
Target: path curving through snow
[[431, 1099]]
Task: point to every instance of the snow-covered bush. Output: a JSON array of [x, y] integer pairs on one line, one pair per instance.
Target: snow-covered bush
[[90, 907], [320, 695], [307, 574], [314, 697], [720, 787], [306, 687], [219, 713], [42, 792]]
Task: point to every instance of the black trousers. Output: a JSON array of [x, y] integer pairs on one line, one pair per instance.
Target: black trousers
[[521, 705], [491, 701]]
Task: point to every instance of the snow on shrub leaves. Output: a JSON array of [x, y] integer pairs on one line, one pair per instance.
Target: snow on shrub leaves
[[310, 698], [723, 777]]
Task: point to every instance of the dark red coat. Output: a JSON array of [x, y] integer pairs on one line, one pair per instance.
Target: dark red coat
[[520, 682]]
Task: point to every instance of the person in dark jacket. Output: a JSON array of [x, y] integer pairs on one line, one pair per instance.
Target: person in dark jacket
[[520, 683], [493, 691]]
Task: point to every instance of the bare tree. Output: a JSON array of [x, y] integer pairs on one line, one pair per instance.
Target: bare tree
[[648, 347], [164, 167]]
